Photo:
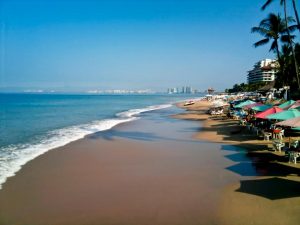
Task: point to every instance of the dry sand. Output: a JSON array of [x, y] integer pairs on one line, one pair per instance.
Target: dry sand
[[270, 197]]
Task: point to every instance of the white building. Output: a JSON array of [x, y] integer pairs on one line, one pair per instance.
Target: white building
[[188, 90], [183, 90], [263, 70]]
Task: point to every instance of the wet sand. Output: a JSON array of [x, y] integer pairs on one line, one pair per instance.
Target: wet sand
[[146, 172]]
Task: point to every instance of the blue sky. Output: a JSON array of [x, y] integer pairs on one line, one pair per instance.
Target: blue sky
[[129, 44]]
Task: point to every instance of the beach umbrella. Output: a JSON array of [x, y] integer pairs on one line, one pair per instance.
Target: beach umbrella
[[285, 115], [295, 105], [253, 105], [286, 104], [294, 122], [242, 104], [267, 112], [261, 108]]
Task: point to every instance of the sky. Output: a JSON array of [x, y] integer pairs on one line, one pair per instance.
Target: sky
[[76, 45]]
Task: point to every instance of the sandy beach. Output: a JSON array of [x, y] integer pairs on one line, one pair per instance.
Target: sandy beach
[[269, 196], [149, 171], [157, 170], [149, 112]]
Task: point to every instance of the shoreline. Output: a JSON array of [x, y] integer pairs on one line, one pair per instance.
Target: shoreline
[[149, 171], [152, 171], [59, 137]]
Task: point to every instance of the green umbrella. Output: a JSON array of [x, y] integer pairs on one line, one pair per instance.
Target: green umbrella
[[242, 104], [261, 108], [286, 104], [285, 115]]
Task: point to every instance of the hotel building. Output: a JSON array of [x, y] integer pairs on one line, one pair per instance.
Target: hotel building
[[263, 71]]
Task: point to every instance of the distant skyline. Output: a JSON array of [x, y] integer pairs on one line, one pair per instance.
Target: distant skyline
[[80, 45]]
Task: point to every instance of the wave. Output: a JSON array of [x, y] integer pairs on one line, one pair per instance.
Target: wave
[[134, 112], [13, 157]]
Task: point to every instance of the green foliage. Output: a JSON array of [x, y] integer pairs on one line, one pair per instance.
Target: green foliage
[[272, 29], [278, 31], [245, 87]]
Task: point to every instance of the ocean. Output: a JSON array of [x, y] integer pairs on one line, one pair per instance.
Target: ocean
[[32, 124]]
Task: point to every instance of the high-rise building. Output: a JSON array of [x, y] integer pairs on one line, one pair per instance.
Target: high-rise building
[[263, 70], [183, 90], [188, 90]]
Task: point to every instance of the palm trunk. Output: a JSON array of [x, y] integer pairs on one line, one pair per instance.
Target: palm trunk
[[291, 45], [280, 62], [296, 14], [278, 54]]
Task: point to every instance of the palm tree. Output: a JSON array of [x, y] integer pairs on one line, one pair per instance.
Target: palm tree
[[286, 77], [283, 2], [272, 29], [296, 14]]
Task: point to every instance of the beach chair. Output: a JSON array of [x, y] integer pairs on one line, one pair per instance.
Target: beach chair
[[219, 112], [267, 136], [293, 155], [281, 134], [242, 122], [213, 112], [278, 145], [295, 144]]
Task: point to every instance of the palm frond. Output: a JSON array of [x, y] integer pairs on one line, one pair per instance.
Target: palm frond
[[261, 42], [290, 19], [259, 30], [286, 38], [268, 2], [292, 28], [273, 46]]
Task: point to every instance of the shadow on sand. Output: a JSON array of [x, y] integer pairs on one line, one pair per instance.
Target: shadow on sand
[[260, 164], [263, 169], [272, 188]]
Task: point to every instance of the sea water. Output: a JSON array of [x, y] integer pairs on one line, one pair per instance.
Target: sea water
[[32, 124]]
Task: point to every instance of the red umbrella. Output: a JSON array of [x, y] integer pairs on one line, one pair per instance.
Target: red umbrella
[[263, 114]]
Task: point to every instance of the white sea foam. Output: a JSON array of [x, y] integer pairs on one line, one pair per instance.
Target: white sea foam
[[134, 112], [13, 157]]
